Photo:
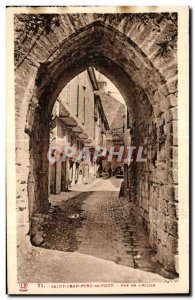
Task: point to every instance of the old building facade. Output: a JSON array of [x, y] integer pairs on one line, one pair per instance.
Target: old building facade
[[78, 120], [116, 112]]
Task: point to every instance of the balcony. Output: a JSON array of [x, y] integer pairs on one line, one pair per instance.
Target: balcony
[[77, 129]]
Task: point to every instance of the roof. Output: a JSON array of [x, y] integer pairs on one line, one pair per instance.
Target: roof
[[113, 109], [101, 78], [92, 77], [102, 113]]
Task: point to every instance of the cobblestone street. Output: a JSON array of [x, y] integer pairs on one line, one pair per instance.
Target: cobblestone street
[[92, 237], [97, 222]]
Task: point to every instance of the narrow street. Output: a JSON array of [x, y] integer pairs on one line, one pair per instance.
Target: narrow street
[[97, 222], [92, 238]]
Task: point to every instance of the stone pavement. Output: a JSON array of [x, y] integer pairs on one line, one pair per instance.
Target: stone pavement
[[56, 266], [109, 232], [104, 228], [78, 189], [100, 184]]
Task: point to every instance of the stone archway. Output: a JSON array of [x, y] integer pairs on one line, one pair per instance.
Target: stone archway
[[133, 56]]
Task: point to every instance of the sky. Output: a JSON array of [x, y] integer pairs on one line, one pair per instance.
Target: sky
[[110, 87]]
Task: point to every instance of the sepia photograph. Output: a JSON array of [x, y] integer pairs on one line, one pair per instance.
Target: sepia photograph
[[97, 150]]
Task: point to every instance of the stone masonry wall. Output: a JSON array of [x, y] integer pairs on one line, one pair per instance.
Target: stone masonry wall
[[153, 185]]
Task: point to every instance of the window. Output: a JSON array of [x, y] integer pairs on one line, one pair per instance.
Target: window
[[83, 112], [71, 140], [77, 101], [68, 94], [78, 145], [128, 120]]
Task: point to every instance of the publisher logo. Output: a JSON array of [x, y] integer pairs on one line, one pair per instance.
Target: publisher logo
[[23, 287]]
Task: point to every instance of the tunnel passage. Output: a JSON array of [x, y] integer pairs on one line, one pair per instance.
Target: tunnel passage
[[136, 66]]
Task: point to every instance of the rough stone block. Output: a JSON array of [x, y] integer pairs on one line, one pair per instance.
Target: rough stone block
[[171, 226], [163, 176], [174, 113], [172, 210], [163, 207], [167, 128], [175, 193], [37, 239], [161, 221], [153, 216], [169, 260], [39, 54], [164, 104], [174, 153], [173, 99], [169, 71], [174, 140], [173, 176], [34, 221], [162, 236], [172, 244], [153, 237], [33, 230], [172, 84], [157, 110], [174, 127]]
